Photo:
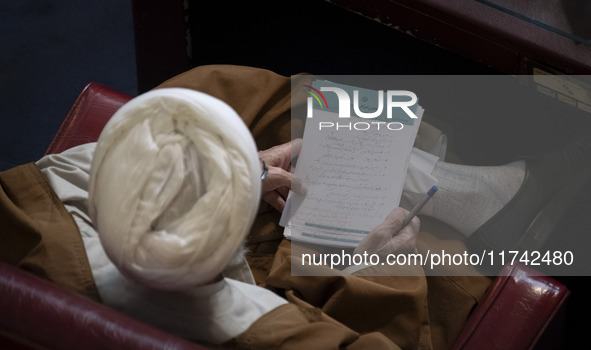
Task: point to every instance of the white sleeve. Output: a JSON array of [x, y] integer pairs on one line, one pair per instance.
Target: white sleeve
[[213, 313], [68, 173]]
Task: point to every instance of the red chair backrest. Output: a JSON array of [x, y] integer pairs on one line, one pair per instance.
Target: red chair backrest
[[93, 108]]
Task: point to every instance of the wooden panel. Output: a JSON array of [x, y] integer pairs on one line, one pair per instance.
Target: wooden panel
[[481, 32], [161, 41]]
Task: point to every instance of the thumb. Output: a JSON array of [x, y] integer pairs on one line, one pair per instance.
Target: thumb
[[277, 178]]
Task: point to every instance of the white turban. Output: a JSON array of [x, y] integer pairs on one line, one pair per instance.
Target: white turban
[[174, 187]]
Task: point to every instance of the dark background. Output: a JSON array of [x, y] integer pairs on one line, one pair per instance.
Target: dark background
[[49, 50]]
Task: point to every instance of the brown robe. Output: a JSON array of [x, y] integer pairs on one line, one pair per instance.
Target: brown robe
[[357, 312]]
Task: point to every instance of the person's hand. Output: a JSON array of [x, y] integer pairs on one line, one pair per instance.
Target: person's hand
[[279, 180], [382, 241]]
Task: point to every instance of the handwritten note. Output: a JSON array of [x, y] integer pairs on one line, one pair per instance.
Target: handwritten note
[[354, 178]]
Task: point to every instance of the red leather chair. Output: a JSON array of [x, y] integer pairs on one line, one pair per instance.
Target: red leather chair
[[93, 108], [37, 314], [522, 310]]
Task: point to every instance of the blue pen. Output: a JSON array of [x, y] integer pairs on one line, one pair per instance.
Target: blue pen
[[417, 208]]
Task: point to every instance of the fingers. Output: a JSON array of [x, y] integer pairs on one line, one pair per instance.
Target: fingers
[[388, 237], [283, 181], [404, 241], [374, 240], [276, 178], [283, 192], [279, 179], [276, 187], [275, 200], [296, 147], [281, 155]]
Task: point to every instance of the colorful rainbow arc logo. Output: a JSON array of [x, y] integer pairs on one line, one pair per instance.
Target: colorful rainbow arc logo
[[315, 93]]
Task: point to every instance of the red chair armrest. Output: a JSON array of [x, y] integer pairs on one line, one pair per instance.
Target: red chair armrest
[[41, 315], [95, 105], [517, 310]]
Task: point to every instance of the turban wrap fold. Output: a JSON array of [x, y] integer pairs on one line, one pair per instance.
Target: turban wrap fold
[[174, 187]]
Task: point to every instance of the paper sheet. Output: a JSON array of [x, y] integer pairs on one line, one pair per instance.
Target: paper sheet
[[354, 178]]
